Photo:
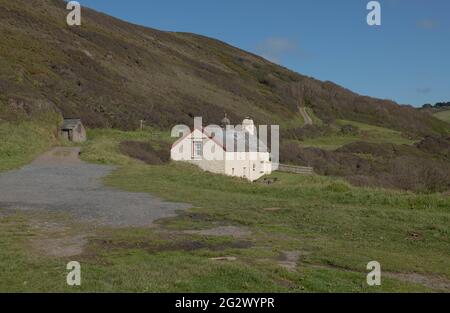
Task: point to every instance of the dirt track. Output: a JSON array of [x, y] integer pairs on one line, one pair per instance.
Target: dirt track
[[305, 115], [59, 182]]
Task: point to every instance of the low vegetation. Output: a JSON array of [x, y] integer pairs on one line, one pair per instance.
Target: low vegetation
[[22, 141], [345, 132], [368, 155], [146, 151], [424, 167], [103, 146], [331, 228], [443, 115]]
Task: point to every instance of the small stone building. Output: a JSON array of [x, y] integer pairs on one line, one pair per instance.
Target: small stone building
[[73, 130]]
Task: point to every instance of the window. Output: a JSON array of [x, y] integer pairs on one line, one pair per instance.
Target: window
[[254, 167], [197, 150]]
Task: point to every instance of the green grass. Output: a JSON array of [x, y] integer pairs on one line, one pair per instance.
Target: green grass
[[369, 133], [143, 260], [298, 121], [316, 121], [321, 215], [103, 145], [443, 115], [337, 228], [21, 142]]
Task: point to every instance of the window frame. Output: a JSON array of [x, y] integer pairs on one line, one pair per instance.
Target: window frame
[[195, 150]]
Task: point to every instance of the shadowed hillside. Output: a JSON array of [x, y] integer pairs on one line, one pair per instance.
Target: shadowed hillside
[[113, 74]]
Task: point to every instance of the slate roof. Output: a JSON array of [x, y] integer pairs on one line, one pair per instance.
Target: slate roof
[[233, 137]]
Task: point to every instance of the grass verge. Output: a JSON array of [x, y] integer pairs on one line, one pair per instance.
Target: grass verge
[[21, 142]]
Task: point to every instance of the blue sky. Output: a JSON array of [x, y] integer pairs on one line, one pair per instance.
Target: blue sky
[[406, 59]]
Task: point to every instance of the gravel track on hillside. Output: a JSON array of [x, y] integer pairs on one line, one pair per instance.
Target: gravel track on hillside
[[59, 182]]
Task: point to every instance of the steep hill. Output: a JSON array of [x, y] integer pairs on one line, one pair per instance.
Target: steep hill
[[113, 74]]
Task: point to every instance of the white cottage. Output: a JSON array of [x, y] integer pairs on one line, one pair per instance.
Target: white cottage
[[237, 153]]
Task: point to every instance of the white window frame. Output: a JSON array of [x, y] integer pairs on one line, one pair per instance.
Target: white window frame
[[197, 154]]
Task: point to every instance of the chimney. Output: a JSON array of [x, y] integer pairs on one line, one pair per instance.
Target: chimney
[[249, 126]]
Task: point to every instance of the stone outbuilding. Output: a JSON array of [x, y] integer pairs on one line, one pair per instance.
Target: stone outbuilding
[[73, 130]]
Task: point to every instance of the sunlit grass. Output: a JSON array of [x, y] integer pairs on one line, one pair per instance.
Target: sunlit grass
[[21, 142], [368, 133], [443, 115]]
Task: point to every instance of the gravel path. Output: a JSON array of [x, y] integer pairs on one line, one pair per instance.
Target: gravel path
[[58, 181]]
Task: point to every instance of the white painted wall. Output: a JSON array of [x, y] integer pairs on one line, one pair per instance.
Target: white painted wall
[[248, 165]]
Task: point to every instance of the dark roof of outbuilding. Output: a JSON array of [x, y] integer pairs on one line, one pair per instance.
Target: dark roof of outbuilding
[[70, 123]]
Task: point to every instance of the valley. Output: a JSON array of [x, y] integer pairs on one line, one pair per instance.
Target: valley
[[240, 233], [138, 222]]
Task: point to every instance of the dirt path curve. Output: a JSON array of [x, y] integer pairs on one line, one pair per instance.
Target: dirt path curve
[[308, 120], [59, 181]]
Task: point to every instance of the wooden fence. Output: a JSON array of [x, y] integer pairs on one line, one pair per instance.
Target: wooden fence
[[296, 169]]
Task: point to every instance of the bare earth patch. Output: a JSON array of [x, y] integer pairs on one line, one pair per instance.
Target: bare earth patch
[[430, 281], [56, 237], [59, 155], [272, 209], [232, 231], [290, 260], [176, 244], [433, 282], [224, 258], [60, 247]]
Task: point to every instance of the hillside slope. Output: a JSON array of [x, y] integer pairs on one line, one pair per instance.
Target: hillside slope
[[443, 115], [113, 74]]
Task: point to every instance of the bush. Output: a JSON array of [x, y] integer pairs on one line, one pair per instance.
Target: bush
[[392, 166], [435, 145], [349, 130], [337, 187], [305, 132], [154, 153]]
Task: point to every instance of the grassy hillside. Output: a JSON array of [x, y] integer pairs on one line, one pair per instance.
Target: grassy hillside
[[443, 115], [305, 234], [112, 73], [366, 132], [22, 141]]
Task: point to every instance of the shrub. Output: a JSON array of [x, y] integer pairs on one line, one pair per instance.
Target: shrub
[[154, 153], [349, 130], [337, 187], [392, 166]]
